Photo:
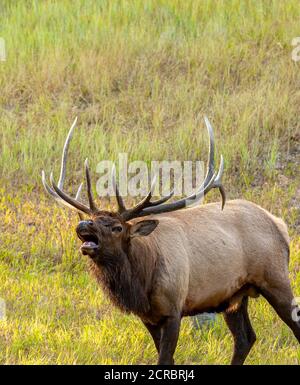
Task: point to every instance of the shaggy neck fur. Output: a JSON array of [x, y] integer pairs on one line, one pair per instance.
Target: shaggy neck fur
[[127, 278]]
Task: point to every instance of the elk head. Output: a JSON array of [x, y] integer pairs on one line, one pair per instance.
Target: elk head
[[108, 234]]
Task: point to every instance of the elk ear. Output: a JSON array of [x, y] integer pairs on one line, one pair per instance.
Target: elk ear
[[143, 228]]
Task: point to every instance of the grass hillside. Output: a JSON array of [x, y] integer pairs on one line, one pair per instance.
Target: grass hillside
[[139, 75]]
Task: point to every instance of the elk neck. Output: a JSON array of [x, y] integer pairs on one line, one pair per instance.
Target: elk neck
[[126, 277]]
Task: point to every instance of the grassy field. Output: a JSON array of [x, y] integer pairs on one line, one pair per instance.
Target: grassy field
[[139, 75]]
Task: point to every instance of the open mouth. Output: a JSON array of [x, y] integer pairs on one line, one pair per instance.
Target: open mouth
[[90, 244]]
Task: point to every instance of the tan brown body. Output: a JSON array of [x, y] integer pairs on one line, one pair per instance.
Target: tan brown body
[[204, 256]]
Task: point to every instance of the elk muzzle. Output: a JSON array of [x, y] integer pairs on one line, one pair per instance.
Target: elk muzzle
[[86, 232]]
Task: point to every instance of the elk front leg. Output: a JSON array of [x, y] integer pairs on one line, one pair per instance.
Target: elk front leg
[[155, 331], [169, 337]]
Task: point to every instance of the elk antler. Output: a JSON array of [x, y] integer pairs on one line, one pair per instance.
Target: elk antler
[[212, 180], [145, 206]]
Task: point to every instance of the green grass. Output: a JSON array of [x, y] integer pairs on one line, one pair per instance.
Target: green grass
[[140, 75]]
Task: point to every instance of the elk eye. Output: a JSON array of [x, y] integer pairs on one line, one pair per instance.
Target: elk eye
[[117, 229]]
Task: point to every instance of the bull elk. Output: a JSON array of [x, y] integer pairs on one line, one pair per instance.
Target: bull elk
[[180, 261]]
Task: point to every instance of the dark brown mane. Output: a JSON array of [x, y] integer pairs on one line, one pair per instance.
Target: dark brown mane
[[127, 279]]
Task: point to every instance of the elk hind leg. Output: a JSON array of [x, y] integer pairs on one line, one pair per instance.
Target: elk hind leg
[[243, 334], [280, 297]]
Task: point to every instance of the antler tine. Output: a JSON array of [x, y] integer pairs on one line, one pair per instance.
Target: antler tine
[[48, 188], [218, 182], [121, 205], [65, 156], [145, 202], [51, 192], [62, 167], [89, 187], [161, 200], [77, 198], [68, 199], [211, 152]]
